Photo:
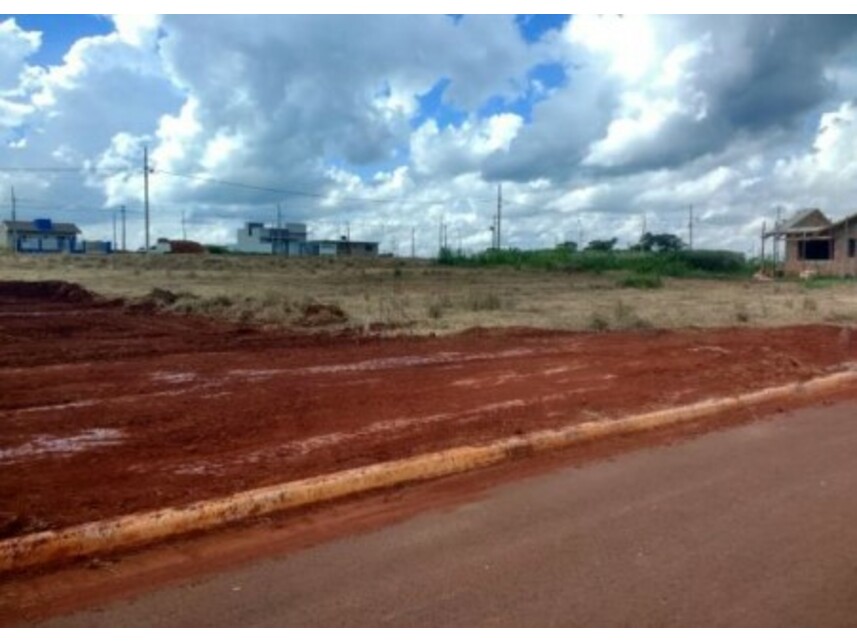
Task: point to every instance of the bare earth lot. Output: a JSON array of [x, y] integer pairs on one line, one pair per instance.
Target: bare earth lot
[[108, 408]]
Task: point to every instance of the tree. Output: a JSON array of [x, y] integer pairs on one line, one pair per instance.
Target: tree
[[602, 245], [663, 242]]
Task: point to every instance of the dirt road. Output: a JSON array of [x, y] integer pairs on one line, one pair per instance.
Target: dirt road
[[752, 526], [108, 409]]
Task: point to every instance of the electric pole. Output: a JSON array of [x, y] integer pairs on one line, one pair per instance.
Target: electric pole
[[776, 238], [124, 247], [114, 231], [690, 228], [14, 220], [279, 227], [146, 192], [184, 229], [499, 214], [413, 242]]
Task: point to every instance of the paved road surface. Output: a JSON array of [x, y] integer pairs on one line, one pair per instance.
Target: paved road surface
[[755, 526]]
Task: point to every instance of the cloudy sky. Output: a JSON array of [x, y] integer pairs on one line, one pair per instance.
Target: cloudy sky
[[592, 124]]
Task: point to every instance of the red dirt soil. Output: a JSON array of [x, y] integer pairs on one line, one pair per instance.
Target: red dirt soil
[[107, 409]]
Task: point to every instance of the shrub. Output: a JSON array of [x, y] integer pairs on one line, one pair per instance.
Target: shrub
[[644, 281], [484, 301]]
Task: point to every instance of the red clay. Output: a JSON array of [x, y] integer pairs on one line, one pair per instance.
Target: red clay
[[106, 409]]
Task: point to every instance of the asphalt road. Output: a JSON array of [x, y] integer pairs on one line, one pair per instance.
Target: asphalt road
[[752, 526]]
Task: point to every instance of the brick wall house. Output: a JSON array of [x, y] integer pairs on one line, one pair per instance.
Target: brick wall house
[[815, 244]]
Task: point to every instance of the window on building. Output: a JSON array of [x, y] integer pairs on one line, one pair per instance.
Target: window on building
[[815, 250]]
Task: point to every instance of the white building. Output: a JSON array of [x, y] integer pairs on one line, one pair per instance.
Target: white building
[[256, 238]]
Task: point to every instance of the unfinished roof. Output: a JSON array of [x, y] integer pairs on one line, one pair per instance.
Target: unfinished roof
[[805, 220], [850, 220], [30, 227]]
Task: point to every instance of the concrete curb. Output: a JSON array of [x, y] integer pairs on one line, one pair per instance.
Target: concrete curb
[[137, 529]]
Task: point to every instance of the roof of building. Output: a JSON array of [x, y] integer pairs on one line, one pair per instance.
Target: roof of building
[[344, 242], [31, 227], [810, 221], [804, 220], [851, 218]]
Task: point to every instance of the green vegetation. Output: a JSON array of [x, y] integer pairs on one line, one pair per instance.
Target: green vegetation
[[644, 281], [676, 263], [818, 283]]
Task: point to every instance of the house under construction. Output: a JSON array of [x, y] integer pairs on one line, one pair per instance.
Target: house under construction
[[816, 245]]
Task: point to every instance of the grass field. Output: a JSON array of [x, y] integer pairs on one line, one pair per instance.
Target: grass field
[[420, 296]]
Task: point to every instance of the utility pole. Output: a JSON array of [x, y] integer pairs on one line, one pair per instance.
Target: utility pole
[[277, 247], [499, 215], [690, 228], [114, 231], [579, 233], [643, 233], [14, 220], [124, 247], [776, 237], [184, 229], [146, 192], [440, 237], [348, 230], [413, 242]]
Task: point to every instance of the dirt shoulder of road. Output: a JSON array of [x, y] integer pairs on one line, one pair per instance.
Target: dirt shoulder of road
[[35, 596]]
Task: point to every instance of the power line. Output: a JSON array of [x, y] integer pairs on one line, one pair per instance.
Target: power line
[[307, 194], [62, 170], [31, 204]]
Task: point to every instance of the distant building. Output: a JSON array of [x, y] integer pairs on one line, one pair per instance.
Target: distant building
[[815, 244], [94, 247], [39, 235], [291, 240], [342, 248], [178, 246], [287, 240]]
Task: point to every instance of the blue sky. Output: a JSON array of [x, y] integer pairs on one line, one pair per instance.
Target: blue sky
[[60, 32]]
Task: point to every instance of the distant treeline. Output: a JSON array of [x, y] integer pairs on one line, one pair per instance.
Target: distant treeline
[[667, 263]]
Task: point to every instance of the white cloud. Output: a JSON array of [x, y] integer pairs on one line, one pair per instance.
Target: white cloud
[[825, 174], [733, 114], [628, 42], [458, 150], [16, 45]]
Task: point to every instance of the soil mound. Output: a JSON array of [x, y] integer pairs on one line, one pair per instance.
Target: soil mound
[[322, 315], [60, 291]]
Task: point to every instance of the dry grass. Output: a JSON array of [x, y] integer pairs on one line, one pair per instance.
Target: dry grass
[[417, 296]]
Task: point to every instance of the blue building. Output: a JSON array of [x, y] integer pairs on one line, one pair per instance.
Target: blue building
[[38, 235]]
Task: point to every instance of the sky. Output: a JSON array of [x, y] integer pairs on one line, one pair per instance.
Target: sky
[[596, 126]]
